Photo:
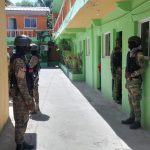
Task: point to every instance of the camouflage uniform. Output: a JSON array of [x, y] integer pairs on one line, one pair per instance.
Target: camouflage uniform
[[21, 99], [134, 83], [33, 62], [116, 64], [134, 69]]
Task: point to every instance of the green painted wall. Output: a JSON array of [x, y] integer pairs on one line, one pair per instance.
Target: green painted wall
[[120, 20], [96, 57], [128, 24]]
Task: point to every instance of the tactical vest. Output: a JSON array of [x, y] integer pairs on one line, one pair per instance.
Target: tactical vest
[[132, 62], [12, 77]]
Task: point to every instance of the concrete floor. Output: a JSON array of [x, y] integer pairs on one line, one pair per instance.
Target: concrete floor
[[75, 117]]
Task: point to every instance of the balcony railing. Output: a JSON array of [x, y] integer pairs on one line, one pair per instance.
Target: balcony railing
[[16, 32], [66, 6]]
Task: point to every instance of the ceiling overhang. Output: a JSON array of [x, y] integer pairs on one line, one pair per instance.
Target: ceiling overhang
[[94, 10]]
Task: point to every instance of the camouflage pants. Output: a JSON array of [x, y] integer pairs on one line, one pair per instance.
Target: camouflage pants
[[134, 97], [21, 116], [117, 87], [36, 94]]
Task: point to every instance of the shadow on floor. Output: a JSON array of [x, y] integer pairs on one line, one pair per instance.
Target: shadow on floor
[[31, 138], [112, 113], [7, 137], [39, 117]]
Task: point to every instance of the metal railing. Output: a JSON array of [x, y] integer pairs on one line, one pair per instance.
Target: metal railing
[[65, 8], [16, 32]]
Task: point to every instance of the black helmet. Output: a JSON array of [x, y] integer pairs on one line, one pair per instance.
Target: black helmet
[[135, 39], [22, 40], [34, 47]]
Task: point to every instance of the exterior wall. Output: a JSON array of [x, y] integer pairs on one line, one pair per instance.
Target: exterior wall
[[66, 8], [72, 2], [128, 23], [88, 59], [54, 15], [3, 68], [96, 57], [41, 21]]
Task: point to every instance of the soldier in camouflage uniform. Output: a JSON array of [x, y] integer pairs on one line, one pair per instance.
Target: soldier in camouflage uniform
[[134, 69], [22, 100], [116, 65], [34, 64]]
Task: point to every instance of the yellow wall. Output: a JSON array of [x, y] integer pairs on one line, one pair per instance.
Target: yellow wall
[[3, 68]]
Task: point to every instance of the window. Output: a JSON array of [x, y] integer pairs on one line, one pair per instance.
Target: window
[[145, 37], [107, 44], [12, 23], [88, 46], [30, 23]]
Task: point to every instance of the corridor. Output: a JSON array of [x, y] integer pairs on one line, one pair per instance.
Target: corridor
[[76, 117]]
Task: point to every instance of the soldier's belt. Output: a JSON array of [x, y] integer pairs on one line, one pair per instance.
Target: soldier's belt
[[136, 78]]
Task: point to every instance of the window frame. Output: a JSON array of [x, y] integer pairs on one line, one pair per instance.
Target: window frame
[[104, 44], [139, 33], [30, 22]]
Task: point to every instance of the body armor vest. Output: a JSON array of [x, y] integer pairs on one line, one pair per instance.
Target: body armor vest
[[132, 62], [12, 77]]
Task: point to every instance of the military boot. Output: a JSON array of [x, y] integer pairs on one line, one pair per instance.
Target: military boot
[[130, 120], [37, 107], [19, 147], [135, 125], [36, 110], [27, 146]]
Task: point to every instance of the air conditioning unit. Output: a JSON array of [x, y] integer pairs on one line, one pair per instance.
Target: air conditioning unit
[[44, 47]]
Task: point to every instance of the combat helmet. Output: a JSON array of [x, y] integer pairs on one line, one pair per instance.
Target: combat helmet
[[34, 47], [135, 39], [22, 41]]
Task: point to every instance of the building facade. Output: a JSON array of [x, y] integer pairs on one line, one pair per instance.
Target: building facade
[[4, 100], [93, 27], [25, 20], [31, 21]]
